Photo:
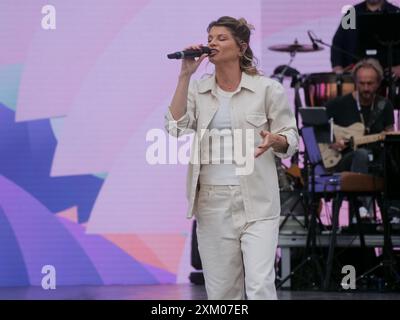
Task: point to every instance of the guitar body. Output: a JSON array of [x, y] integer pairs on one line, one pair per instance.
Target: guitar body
[[331, 157]]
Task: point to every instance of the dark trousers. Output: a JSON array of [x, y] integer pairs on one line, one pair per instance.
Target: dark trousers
[[355, 161]]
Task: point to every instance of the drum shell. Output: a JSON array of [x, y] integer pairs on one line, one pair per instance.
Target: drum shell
[[319, 88]]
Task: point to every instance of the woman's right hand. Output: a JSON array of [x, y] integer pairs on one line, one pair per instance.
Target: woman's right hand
[[190, 65]]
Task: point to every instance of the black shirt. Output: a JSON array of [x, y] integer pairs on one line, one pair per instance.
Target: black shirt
[[348, 40], [344, 111]]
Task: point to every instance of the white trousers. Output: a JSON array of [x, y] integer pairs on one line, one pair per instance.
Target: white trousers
[[238, 257]]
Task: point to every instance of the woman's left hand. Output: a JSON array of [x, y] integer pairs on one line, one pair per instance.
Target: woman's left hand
[[276, 141]]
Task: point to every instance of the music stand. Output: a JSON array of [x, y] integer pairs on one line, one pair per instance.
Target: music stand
[[391, 154], [314, 116], [317, 117], [391, 192]]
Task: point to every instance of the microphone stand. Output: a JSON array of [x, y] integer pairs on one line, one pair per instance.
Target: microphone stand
[[297, 101], [390, 45], [337, 49]]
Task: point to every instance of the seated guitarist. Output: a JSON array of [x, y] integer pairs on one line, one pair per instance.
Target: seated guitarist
[[365, 106]]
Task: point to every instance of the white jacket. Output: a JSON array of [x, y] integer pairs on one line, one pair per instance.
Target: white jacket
[[260, 104]]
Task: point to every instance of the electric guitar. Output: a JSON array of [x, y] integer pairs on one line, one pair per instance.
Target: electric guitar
[[354, 136]]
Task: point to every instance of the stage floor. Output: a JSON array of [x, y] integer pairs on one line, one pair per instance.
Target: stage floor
[[167, 292]]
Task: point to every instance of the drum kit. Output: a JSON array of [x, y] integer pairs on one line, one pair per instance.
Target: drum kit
[[321, 87], [318, 89]]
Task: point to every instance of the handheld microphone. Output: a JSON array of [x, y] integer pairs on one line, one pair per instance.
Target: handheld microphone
[[314, 43], [189, 53]]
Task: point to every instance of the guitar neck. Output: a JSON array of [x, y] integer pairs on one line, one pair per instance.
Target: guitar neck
[[358, 141]]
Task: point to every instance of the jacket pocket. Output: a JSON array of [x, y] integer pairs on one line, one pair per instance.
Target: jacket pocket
[[256, 119]]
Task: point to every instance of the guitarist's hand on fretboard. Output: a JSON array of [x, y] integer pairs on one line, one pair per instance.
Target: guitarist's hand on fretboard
[[351, 136]]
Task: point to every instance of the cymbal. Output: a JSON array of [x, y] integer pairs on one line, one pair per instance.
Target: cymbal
[[295, 47]]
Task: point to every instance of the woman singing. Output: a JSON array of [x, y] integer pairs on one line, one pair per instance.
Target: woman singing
[[237, 212]]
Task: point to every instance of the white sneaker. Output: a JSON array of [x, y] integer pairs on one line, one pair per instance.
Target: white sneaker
[[395, 220], [363, 212]]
